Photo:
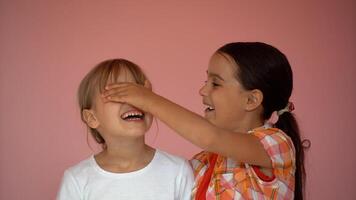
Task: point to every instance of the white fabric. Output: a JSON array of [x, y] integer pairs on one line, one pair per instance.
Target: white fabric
[[166, 177]]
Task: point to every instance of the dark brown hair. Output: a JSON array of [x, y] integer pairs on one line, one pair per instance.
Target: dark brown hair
[[262, 66]]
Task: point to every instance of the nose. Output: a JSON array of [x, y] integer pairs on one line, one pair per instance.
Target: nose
[[203, 90]]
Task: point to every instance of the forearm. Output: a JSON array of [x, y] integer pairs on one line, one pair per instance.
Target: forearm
[[199, 131], [189, 125]]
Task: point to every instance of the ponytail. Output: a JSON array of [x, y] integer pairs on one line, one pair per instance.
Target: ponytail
[[262, 66], [288, 124]]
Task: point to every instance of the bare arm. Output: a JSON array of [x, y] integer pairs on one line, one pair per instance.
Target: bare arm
[[239, 146]]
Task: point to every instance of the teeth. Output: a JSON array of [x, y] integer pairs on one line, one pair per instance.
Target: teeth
[[209, 108], [132, 114]]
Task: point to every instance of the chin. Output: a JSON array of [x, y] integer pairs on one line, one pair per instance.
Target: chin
[[210, 120], [216, 123], [136, 132]]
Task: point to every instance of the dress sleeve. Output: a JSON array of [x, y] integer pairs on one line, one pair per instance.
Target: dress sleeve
[[280, 149], [69, 189], [184, 182]]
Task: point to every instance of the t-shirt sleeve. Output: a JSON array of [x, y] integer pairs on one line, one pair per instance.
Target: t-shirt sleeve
[[69, 189], [185, 182], [280, 149]]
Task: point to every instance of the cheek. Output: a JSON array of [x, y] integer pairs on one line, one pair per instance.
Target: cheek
[[109, 112], [229, 107], [148, 120]]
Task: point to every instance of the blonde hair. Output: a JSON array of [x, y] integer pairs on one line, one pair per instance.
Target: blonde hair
[[95, 81]]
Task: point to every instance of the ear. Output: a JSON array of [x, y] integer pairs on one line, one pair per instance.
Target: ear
[[90, 119], [148, 85], [254, 99]]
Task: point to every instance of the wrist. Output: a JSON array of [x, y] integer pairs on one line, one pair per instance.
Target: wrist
[[152, 103]]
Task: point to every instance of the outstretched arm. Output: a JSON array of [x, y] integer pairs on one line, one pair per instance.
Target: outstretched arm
[[191, 126]]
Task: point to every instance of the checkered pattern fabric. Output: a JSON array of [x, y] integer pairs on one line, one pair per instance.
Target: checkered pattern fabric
[[232, 180]]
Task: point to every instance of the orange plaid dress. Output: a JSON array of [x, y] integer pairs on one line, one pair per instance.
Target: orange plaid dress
[[232, 180]]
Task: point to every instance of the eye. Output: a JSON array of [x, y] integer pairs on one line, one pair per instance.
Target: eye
[[215, 84], [212, 83]]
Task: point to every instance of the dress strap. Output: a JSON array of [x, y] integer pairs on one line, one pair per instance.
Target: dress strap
[[204, 184]]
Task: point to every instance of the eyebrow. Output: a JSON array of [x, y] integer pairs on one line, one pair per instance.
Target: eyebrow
[[215, 75]]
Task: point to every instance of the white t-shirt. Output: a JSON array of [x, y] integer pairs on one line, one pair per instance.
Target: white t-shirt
[[166, 177]]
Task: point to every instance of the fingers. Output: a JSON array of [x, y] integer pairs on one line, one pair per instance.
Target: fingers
[[123, 92], [113, 91], [115, 95], [116, 85], [115, 98]]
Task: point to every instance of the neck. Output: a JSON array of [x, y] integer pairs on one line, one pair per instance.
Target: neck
[[250, 122], [124, 155]]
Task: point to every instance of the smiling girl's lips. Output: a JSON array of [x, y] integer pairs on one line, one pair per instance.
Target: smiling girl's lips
[[133, 115], [209, 107]]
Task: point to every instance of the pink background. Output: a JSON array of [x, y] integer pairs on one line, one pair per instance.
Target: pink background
[[46, 47]]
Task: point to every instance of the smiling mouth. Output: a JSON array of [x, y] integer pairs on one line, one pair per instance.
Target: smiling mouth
[[133, 116], [209, 109]]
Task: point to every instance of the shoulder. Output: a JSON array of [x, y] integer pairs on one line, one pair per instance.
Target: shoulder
[[200, 162], [273, 137], [278, 145], [173, 162], [262, 132], [201, 158], [73, 180], [80, 169], [168, 158]]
